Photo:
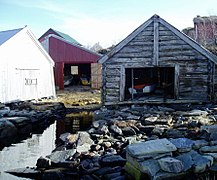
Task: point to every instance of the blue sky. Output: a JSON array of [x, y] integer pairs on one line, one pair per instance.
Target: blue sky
[[103, 21]]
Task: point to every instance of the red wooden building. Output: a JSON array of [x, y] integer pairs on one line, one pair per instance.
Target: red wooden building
[[69, 56]]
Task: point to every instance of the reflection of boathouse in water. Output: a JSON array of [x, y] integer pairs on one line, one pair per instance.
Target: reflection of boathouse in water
[[157, 62], [74, 122]]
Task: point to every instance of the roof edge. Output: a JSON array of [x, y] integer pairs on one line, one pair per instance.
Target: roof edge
[[190, 41], [126, 40], [80, 47], [38, 44]]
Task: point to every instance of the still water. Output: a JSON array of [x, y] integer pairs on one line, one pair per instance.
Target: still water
[[27, 152]]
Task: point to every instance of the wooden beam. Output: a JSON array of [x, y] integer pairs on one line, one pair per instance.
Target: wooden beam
[[156, 41], [122, 83], [132, 80]]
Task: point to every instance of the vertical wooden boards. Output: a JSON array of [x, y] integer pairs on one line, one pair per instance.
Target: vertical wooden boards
[[96, 75], [156, 42]]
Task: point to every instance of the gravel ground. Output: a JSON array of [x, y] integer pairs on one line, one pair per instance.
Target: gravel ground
[[79, 97]]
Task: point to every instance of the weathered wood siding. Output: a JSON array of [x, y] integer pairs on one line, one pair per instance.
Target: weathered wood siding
[[193, 67], [137, 53], [159, 45]]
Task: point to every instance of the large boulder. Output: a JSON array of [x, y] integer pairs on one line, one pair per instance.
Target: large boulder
[[7, 129], [150, 148]]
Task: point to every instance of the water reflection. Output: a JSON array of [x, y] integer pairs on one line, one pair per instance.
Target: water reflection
[[74, 122], [27, 152]]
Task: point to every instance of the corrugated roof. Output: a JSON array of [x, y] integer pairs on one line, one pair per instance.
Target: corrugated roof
[[6, 35], [67, 37]]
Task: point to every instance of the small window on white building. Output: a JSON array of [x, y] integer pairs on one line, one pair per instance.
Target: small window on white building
[[74, 70]]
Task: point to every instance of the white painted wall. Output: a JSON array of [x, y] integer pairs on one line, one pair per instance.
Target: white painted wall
[[26, 70]]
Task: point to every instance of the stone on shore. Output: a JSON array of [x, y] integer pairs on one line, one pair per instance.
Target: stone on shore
[[7, 129], [170, 164], [150, 148], [182, 144], [61, 156]]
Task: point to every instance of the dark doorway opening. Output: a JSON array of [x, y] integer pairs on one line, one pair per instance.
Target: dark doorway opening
[[149, 82], [77, 74]]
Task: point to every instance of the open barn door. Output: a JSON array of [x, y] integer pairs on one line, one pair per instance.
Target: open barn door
[[149, 83]]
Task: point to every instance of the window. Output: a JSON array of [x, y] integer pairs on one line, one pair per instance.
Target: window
[[74, 70]]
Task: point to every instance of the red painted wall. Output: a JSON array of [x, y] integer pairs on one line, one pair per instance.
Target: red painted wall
[[65, 53], [61, 51]]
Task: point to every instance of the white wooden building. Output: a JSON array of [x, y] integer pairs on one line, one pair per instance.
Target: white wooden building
[[26, 69]]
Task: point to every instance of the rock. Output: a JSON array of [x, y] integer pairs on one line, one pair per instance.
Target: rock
[[7, 129], [150, 148], [87, 177], [107, 144], [103, 129], [210, 158], [170, 164], [4, 111], [20, 122], [115, 129], [97, 124], [214, 155], [213, 143], [52, 174], [209, 128], [86, 164], [150, 120], [208, 149], [135, 172], [182, 144], [159, 129], [150, 166], [195, 112], [200, 162], [26, 172], [83, 148], [128, 131], [84, 138], [43, 162], [146, 129], [102, 171], [25, 130], [68, 138], [112, 161], [197, 144], [186, 160], [166, 109], [112, 176], [204, 121], [174, 133], [61, 156], [133, 117], [171, 176], [213, 136]]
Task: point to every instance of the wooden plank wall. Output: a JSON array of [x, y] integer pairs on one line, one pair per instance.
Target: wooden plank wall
[[193, 75], [137, 53], [96, 75]]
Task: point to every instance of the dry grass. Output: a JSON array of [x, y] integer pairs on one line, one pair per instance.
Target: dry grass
[[78, 96]]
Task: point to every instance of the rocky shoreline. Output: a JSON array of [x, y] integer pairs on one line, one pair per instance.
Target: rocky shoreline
[[148, 141], [18, 120]]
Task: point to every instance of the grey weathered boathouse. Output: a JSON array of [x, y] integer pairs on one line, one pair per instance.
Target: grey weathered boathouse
[[158, 63]]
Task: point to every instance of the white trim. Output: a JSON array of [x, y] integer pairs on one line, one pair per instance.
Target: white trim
[[38, 44]]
